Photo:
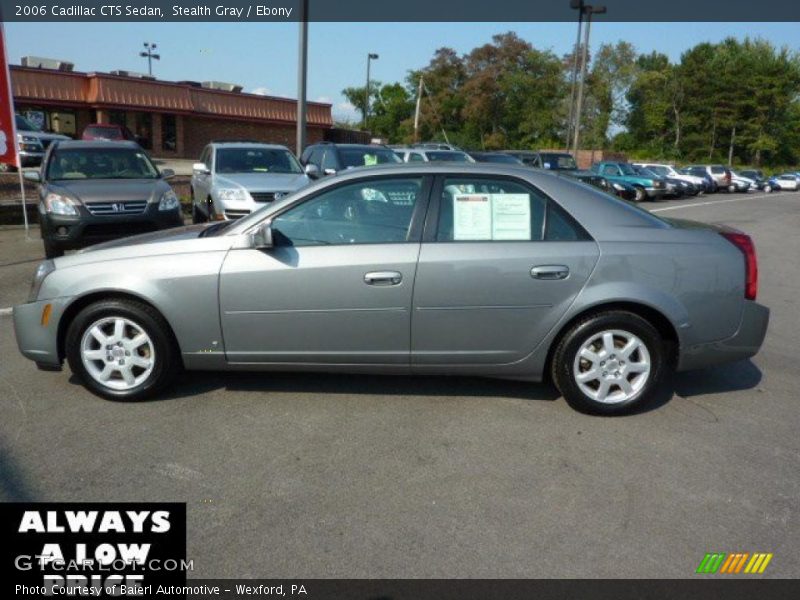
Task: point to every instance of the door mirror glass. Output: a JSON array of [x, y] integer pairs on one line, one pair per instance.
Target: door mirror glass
[[261, 238], [312, 170], [199, 167], [33, 176]]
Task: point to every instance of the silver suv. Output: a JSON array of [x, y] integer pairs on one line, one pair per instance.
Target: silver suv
[[234, 178], [33, 142]]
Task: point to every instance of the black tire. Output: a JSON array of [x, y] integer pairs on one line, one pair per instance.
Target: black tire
[[210, 212], [566, 353], [167, 361], [51, 250], [641, 195], [197, 216]]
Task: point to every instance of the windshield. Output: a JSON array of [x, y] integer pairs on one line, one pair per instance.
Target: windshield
[[23, 124], [663, 171], [627, 169], [448, 156], [100, 163], [367, 157], [256, 160], [558, 161], [646, 172]]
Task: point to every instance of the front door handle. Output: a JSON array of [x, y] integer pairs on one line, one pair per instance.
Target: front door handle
[[383, 278], [551, 272]]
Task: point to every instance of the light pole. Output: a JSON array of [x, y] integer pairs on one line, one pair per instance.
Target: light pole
[[150, 56], [575, 5], [589, 10], [302, 76], [370, 57]]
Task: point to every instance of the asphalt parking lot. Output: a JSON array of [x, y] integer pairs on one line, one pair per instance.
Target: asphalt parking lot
[[341, 476]]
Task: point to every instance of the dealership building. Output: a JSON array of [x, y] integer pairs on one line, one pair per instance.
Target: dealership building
[[170, 119]]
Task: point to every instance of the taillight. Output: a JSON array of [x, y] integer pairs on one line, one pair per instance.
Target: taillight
[[745, 243]]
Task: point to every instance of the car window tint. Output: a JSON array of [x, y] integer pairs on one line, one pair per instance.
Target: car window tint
[[487, 209], [374, 211], [609, 170], [329, 159], [415, 157]]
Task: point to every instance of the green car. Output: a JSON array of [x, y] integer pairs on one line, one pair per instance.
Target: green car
[[624, 172]]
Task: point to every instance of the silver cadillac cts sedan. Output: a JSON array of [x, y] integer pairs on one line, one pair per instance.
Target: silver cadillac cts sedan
[[449, 269]]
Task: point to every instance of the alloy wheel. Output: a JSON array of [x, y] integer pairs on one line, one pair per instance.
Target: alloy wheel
[[612, 366], [117, 353]]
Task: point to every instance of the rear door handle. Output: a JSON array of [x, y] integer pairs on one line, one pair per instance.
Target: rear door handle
[[552, 272], [383, 278]]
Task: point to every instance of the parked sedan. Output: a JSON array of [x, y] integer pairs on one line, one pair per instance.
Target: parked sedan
[[760, 182], [90, 192], [788, 181], [409, 269]]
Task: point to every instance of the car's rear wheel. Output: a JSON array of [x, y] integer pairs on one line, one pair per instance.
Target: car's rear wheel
[[122, 350], [609, 363]]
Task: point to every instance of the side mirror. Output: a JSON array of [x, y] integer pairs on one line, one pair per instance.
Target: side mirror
[[199, 167], [312, 170], [167, 173], [33, 176], [261, 238]]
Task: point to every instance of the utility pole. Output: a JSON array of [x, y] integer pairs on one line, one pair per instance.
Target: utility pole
[[590, 10], [416, 111], [575, 5], [150, 56], [370, 57], [302, 76]]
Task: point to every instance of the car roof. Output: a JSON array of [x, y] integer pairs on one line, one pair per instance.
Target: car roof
[[97, 144], [244, 144], [354, 146]]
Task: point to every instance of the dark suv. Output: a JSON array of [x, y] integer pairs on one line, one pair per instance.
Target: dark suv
[[327, 158], [95, 191]]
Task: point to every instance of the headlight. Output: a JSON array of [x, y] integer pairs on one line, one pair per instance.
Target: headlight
[[42, 271], [169, 201], [232, 195], [30, 139], [60, 205]]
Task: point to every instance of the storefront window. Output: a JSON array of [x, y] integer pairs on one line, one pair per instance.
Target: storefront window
[[144, 130], [117, 117], [169, 133]]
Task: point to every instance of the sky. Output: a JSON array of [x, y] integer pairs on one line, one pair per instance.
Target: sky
[[263, 56]]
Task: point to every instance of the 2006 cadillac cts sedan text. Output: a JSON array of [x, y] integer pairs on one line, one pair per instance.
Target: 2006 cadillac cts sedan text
[[482, 269]]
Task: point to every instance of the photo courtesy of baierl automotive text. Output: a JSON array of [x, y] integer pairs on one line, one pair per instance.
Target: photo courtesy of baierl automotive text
[[403, 300]]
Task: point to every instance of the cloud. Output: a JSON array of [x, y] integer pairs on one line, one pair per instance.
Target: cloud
[[325, 99]]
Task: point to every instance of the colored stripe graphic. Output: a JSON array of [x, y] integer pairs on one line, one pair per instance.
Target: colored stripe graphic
[[734, 563], [711, 562], [758, 563]]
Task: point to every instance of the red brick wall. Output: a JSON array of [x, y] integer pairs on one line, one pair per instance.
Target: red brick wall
[[586, 158], [197, 132]]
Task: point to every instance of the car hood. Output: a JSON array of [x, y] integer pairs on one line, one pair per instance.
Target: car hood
[[166, 242], [264, 182], [112, 190]]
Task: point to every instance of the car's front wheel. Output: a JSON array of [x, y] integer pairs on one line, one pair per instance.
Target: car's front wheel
[[609, 363], [640, 195], [121, 349]]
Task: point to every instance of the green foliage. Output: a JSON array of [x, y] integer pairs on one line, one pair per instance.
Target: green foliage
[[737, 99]]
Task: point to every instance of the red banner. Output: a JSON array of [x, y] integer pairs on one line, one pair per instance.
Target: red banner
[[8, 130]]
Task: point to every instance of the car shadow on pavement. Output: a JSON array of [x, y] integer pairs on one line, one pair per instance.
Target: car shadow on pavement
[[734, 377], [194, 383]]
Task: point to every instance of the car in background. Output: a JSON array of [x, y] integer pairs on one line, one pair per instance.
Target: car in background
[[787, 181], [720, 174], [107, 132], [91, 192], [554, 161], [234, 178], [668, 171], [760, 182], [446, 268], [653, 188], [676, 188], [711, 185], [526, 156], [616, 188], [496, 157], [743, 184], [415, 154], [32, 142], [435, 146], [327, 158]]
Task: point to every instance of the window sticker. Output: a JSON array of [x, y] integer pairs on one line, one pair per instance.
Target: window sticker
[[501, 217], [511, 217], [472, 217], [370, 160]]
